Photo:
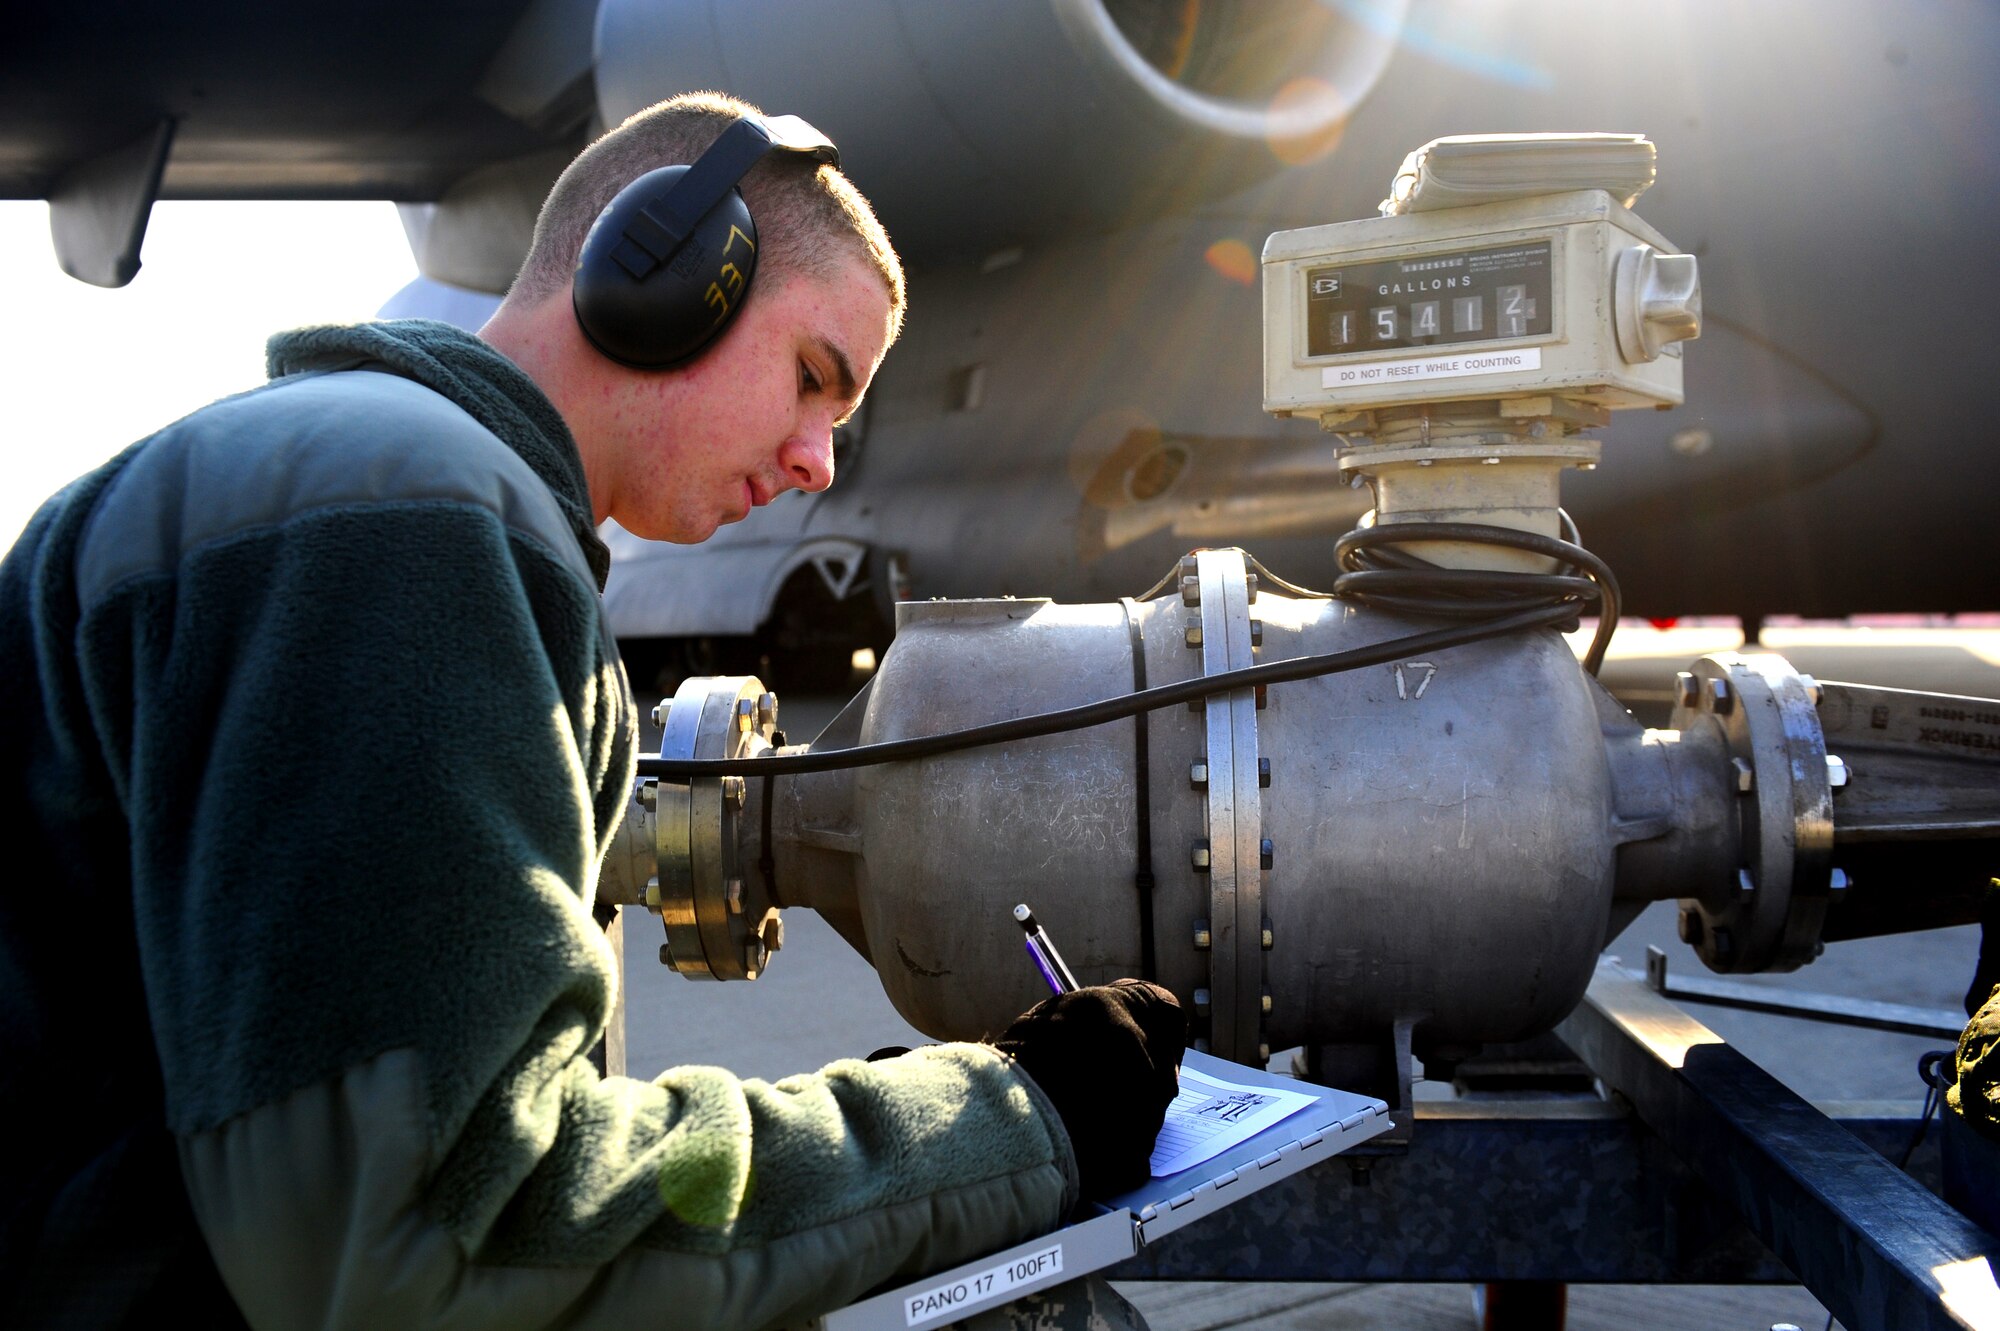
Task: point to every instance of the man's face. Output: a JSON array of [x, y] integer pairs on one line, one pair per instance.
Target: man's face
[[753, 416]]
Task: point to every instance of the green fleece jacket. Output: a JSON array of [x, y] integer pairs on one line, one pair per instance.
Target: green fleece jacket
[[314, 738]]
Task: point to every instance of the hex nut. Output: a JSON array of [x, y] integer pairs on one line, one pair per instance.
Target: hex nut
[[1264, 773], [767, 711], [1256, 633], [734, 791], [746, 713], [1199, 856], [1203, 940], [1190, 590], [774, 933], [666, 955], [1201, 1000], [732, 892], [1837, 772], [1690, 927], [1746, 882], [1265, 1003], [1686, 691], [1198, 775], [1721, 698], [1746, 775], [1193, 635], [753, 957], [1264, 853], [660, 710], [1837, 885], [652, 897]]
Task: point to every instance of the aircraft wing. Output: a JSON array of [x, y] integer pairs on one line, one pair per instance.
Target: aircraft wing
[[105, 107]]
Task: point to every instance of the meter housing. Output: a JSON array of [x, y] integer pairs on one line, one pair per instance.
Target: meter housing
[[1566, 295]]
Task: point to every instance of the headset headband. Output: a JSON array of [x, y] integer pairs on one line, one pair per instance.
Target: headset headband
[[664, 221]]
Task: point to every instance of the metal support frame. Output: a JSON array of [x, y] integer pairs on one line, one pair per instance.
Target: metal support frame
[[1865, 1238], [1838, 1009], [1574, 1190], [1702, 1168]]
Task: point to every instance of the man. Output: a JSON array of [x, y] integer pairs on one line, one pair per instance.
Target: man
[[312, 725]]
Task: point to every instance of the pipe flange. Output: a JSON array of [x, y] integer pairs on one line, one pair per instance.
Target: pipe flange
[[1224, 631], [1769, 916], [720, 921]]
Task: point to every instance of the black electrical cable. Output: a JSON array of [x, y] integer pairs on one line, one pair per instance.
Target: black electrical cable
[[1570, 537], [1377, 571], [1110, 709]]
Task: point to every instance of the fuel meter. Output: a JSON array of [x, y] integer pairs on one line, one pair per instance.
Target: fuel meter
[[1535, 294]]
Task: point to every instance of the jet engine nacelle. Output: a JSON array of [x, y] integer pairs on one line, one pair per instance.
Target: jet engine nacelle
[[1102, 113]]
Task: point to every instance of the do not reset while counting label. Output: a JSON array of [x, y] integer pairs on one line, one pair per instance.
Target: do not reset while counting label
[[945, 1302], [1419, 370]]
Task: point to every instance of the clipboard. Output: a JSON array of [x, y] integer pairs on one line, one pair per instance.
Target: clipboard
[[1122, 1225]]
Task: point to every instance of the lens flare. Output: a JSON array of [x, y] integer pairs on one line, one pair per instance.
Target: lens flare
[[1303, 101], [1233, 259]]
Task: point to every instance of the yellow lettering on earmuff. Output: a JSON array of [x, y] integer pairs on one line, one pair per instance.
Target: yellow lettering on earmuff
[[715, 297], [735, 235], [733, 277]]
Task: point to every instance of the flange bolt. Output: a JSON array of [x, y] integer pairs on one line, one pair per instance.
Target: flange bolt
[[1686, 691]]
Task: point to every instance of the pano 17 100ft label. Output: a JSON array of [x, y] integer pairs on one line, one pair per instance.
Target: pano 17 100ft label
[[941, 1302]]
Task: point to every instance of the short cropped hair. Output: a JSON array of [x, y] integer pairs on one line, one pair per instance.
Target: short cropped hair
[[807, 213]]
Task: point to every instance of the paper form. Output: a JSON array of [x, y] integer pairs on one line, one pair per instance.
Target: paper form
[[1210, 1116]]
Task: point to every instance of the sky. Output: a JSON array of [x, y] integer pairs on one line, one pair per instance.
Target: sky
[[85, 371]]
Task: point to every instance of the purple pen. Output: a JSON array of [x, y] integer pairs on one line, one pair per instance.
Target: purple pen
[[1047, 960]]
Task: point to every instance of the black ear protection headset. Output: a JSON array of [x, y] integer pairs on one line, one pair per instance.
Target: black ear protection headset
[[668, 263]]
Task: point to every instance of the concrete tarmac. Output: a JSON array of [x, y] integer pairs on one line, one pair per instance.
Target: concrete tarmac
[[819, 1000]]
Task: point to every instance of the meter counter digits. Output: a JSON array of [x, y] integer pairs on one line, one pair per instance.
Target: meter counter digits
[[1429, 300]]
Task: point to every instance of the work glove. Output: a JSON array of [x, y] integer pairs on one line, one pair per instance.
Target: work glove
[[1108, 1058]]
